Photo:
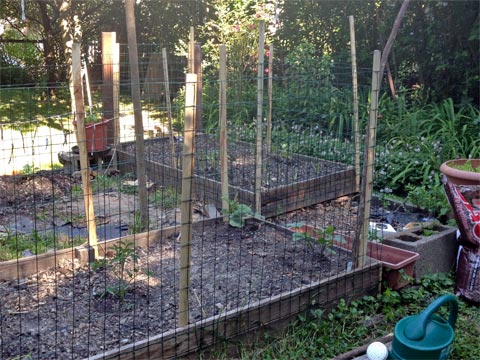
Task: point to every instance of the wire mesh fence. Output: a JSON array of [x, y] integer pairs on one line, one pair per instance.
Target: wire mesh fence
[[244, 268]]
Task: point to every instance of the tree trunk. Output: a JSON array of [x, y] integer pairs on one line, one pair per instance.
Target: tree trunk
[[48, 49]]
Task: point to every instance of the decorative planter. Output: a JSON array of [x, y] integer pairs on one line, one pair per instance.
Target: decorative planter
[[437, 250], [461, 177], [397, 263], [97, 135]]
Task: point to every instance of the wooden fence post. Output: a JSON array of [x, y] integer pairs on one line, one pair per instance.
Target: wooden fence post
[[82, 148], [361, 239], [258, 152], [186, 199], [223, 131], [356, 132], [169, 108]]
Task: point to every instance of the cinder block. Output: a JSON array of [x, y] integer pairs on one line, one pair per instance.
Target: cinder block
[[438, 251]]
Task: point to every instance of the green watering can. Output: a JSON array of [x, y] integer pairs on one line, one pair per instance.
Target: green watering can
[[426, 335]]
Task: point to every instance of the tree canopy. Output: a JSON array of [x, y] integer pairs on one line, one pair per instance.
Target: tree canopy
[[436, 50]]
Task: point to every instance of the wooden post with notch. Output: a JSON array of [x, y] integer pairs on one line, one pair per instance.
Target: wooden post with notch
[[186, 200], [82, 148], [359, 251]]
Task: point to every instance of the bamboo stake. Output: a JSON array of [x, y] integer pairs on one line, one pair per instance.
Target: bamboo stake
[[169, 106], [186, 202], [270, 100], [137, 111], [223, 131], [116, 97], [361, 240], [258, 153], [356, 132], [82, 147]]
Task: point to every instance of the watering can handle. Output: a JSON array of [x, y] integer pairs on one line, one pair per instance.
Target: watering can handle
[[416, 329]]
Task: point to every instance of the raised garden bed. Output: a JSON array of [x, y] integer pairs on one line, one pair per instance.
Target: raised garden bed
[[290, 181], [241, 279], [435, 243]]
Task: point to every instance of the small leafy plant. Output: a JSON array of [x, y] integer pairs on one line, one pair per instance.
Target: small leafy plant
[[92, 118], [123, 267], [466, 166], [322, 237], [238, 213]]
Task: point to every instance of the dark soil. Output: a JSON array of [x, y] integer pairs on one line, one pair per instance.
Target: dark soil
[[279, 169], [65, 314]]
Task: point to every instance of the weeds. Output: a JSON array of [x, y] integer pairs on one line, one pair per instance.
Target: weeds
[[320, 335], [123, 267], [13, 246], [322, 237]]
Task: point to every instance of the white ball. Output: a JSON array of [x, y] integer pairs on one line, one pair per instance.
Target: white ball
[[377, 351]]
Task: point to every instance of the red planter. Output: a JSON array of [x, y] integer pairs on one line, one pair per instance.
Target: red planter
[[461, 177], [97, 135], [396, 262]]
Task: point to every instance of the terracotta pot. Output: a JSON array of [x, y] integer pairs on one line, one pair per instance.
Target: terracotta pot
[[396, 262], [461, 177]]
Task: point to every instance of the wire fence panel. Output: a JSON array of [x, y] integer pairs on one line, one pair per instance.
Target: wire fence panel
[[247, 269]]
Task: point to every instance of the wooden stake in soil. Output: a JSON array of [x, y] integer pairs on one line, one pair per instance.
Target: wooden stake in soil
[[356, 132], [137, 111], [82, 148], [258, 152], [186, 202], [270, 100], [223, 131], [169, 107], [361, 239]]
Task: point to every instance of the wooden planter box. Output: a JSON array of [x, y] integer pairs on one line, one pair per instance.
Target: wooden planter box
[[438, 251], [396, 262], [271, 313], [333, 183]]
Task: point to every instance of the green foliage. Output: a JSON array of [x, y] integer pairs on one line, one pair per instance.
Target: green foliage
[[235, 24], [322, 237], [136, 227], [29, 169], [123, 267], [166, 197], [103, 183], [238, 213], [321, 335], [12, 246], [467, 166], [93, 118], [430, 197], [411, 153]]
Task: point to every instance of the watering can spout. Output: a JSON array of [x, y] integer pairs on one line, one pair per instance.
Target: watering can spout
[[426, 335]]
